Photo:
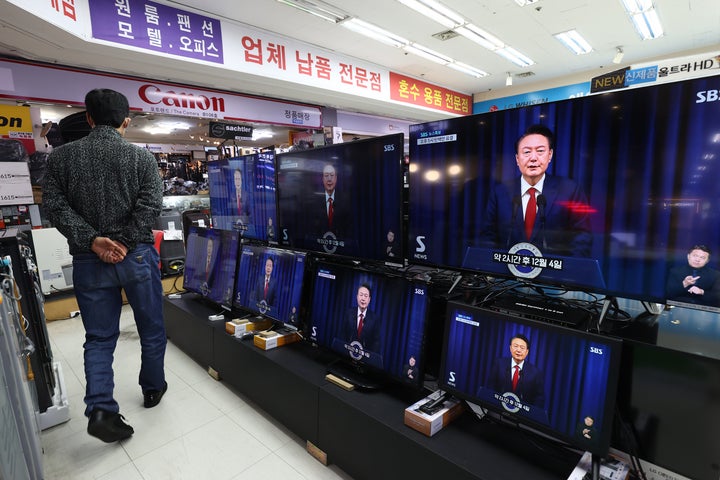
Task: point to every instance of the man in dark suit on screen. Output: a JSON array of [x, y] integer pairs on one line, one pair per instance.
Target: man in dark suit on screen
[[266, 286], [548, 211], [517, 375], [330, 213], [361, 324]]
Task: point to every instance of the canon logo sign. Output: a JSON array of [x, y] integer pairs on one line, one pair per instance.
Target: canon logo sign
[[154, 95]]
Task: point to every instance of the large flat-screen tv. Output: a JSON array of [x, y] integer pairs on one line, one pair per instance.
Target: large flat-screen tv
[[270, 283], [629, 193], [565, 387], [210, 262], [344, 199], [389, 342], [242, 195]]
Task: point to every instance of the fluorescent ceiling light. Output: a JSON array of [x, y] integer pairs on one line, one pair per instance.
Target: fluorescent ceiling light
[[376, 33], [428, 54], [522, 3], [644, 18], [480, 36], [467, 69], [574, 41], [435, 11], [317, 8], [515, 57]]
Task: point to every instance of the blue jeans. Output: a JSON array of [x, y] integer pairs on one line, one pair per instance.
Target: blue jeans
[[98, 288]]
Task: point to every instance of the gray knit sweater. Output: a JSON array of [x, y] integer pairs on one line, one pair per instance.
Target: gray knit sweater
[[102, 185]]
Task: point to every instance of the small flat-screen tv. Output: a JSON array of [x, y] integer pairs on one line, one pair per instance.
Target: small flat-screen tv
[[566, 386], [344, 199], [210, 262], [270, 283], [242, 195], [390, 342], [630, 190]]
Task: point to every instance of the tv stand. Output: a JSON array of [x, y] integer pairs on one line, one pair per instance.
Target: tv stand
[[346, 372]]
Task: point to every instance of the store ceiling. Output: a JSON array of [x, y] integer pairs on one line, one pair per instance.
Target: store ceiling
[[691, 26]]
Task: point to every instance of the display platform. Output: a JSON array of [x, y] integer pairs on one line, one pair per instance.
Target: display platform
[[289, 383]]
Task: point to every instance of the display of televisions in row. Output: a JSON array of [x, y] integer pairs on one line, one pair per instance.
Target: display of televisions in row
[[343, 199], [627, 207], [375, 324]]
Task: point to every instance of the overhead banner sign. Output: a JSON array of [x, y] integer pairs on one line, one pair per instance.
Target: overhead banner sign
[[150, 27], [25, 80], [230, 131], [159, 28], [16, 124]]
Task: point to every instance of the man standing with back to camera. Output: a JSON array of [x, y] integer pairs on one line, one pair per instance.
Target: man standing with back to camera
[[104, 195], [548, 211]]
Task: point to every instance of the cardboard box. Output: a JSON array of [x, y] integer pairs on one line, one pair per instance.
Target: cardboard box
[[431, 424], [269, 340], [238, 326]]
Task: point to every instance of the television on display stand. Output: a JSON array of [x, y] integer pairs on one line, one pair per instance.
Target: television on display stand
[[270, 283], [210, 263], [565, 385], [344, 199], [387, 343], [628, 196]]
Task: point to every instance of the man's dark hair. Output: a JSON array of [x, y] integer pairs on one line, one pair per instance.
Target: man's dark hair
[[700, 247], [522, 337], [538, 129], [107, 107], [365, 285]]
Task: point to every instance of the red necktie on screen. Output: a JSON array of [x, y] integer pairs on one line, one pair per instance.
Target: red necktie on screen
[[239, 206], [360, 325], [267, 282], [330, 212], [530, 214], [516, 377]]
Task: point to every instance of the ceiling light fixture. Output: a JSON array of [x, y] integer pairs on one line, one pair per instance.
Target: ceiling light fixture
[[480, 36], [435, 10], [318, 8], [644, 18], [522, 3], [619, 54], [515, 57], [467, 69], [428, 54], [376, 33], [574, 41]]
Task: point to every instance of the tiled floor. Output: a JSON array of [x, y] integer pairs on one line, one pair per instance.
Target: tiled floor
[[202, 429]]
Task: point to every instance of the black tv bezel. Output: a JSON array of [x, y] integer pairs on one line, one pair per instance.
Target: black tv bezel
[[360, 374], [601, 448], [402, 259], [282, 251], [195, 230]]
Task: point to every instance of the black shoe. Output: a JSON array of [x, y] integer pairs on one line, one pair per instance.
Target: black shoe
[[108, 426], [153, 397]]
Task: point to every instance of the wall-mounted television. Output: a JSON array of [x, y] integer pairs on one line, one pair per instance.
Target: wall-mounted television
[[210, 261], [344, 199], [630, 191], [388, 342], [242, 195], [270, 282], [566, 383]]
